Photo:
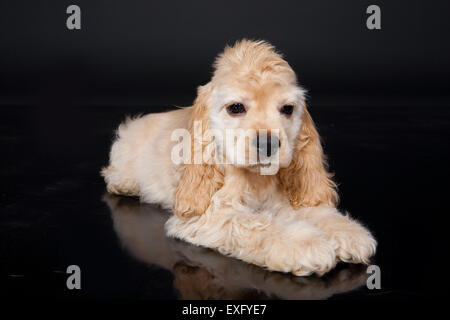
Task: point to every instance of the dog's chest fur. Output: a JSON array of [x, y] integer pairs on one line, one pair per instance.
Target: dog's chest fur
[[246, 191]]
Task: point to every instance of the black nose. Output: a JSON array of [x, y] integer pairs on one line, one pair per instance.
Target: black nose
[[267, 145]]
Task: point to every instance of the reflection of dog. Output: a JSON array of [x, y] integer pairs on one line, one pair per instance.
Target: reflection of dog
[[201, 273], [285, 222]]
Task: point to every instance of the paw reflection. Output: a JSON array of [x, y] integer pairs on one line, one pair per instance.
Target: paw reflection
[[202, 273]]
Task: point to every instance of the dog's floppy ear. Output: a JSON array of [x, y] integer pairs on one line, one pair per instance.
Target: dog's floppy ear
[[199, 181], [306, 180]]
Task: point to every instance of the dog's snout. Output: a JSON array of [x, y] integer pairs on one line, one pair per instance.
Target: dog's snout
[[267, 144]]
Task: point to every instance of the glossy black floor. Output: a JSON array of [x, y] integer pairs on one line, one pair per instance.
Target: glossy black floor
[[388, 160]]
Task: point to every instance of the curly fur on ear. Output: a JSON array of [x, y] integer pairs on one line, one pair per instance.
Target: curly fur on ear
[[198, 182], [306, 181]]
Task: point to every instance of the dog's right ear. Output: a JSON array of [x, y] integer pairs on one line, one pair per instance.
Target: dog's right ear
[[199, 181]]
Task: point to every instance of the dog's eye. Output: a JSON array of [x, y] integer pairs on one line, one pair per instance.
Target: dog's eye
[[287, 109], [236, 108]]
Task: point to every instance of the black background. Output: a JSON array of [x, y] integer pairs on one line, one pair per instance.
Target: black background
[[380, 99], [159, 51]]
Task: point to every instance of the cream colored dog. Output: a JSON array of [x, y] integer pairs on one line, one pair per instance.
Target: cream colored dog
[[285, 221], [200, 273]]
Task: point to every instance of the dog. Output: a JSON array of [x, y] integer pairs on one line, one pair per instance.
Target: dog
[[266, 195], [201, 273]]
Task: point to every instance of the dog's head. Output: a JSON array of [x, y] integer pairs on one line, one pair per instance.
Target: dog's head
[[254, 111], [255, 105]]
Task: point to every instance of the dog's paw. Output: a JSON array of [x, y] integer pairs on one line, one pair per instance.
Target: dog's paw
[[355, 244], [302, 252]]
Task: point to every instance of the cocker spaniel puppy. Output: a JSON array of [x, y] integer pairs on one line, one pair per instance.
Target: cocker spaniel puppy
[[243, 169]]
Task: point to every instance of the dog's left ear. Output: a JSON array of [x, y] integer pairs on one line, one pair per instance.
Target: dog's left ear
[[306, 180]]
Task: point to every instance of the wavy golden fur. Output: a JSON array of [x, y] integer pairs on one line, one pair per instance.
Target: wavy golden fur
[[198, 182], [306, 181], [284, 221]]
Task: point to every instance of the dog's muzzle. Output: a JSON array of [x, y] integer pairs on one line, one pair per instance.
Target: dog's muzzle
[[267, 145]]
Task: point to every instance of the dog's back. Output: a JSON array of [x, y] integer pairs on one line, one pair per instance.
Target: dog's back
[[140, 156]]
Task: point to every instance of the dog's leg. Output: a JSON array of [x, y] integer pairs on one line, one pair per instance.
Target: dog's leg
[[355, 243], [296, 247], [120, 182]]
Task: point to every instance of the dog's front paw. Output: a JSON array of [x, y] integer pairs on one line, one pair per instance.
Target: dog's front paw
[[355, 244], [302, 250]]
